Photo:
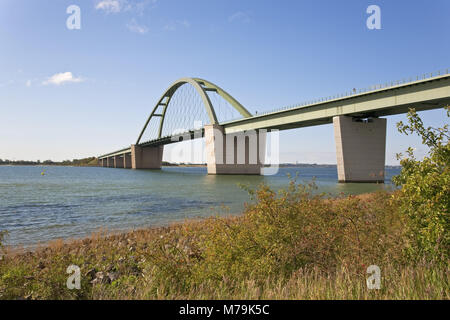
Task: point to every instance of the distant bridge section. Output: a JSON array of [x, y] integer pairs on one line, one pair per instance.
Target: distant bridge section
[[360, 133]]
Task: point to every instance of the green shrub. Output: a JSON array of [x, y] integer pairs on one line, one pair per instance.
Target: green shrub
[[425, 191], [279, 234]]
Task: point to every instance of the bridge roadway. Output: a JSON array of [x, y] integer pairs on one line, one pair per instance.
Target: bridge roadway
[[358, 127]]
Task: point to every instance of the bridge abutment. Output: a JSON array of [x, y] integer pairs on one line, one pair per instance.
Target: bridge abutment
[[237, 153], [360, 148], [146, 158]]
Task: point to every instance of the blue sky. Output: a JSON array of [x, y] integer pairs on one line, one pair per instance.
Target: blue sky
[[108, 75]]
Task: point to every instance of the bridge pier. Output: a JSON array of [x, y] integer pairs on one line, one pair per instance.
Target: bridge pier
[[110, 162], [104, 162], [127, 160], [146, 157], [237, 153], [118, 162], [360, 149]]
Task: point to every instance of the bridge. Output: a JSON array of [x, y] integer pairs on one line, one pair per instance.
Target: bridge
[[194, 108]]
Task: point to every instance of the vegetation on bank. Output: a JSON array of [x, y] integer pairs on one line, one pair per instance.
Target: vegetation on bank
[[290, 244], [91, 161]]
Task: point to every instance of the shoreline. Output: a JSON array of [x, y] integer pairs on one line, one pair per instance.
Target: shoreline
[[103, 232], [63, 230], [21, 248]]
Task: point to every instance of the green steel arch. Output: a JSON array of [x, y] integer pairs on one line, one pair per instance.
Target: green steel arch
[[201, 86]]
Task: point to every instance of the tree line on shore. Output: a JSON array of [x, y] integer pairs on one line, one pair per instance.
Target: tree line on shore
[[90, 161]]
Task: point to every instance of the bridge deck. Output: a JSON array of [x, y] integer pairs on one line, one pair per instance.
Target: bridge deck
[[188, 135], [422, 95]]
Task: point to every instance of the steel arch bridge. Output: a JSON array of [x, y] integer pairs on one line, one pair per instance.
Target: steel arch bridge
[[360, 134], [202, 87]]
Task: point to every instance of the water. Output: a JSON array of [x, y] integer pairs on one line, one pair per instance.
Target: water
[[73, 202]]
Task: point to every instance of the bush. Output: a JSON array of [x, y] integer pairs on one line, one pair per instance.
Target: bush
[[425, 191], [279, 234]]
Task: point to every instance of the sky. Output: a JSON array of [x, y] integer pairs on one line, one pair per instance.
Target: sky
[[73, 93]]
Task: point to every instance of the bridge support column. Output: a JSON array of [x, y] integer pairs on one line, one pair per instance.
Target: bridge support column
[[127, 160], [146, 158], [237, 153], [104, 162], [118, 162], [360, 149], [110, 162]]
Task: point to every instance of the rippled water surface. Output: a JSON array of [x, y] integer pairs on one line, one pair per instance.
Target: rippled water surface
[[72, 202]]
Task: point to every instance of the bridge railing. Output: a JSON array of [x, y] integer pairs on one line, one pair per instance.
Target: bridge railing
[[353, 92]]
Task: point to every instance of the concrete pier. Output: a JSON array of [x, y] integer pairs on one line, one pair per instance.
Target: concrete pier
[[360, 148], [239, 153], [127, 160], [118, 162], [110, 162], [146, 158]]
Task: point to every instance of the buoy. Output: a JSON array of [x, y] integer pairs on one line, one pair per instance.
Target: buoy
[[43, 173]]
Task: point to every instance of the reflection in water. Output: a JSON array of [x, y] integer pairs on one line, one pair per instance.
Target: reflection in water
[[74, 202]]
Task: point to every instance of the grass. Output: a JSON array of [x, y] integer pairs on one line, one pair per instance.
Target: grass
[[289, 244]]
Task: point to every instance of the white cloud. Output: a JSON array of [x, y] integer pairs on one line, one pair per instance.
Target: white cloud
[[133, 26], [28, 83], [128, 7], [110, 6], [140, 6], [116, 6], [61, 78], [239, 16]]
